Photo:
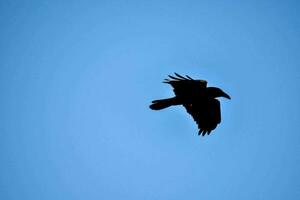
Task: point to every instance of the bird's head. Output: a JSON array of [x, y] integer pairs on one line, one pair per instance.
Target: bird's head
[[202, 83], [215, 92]]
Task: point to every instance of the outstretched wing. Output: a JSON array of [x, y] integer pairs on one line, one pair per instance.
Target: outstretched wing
[[206, 113], [186, 87]]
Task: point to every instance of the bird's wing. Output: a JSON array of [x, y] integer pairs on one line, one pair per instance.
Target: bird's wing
[[186, 87], [207, 114]]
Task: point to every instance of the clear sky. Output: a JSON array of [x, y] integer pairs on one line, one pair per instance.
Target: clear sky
[[76, 81]]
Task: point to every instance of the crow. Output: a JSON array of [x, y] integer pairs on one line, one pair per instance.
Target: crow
[[198, 100]]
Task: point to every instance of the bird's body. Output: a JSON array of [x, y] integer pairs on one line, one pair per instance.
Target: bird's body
[[198, 99]]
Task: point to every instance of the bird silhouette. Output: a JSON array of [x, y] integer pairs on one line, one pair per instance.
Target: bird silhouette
[[199, 101]]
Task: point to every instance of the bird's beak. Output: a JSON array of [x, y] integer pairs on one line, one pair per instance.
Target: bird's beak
[[225, 95]]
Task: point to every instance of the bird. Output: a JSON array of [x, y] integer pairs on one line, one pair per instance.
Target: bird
[[199, 101]]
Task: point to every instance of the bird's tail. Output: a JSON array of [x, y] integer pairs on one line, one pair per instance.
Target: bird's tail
[[163, 103]]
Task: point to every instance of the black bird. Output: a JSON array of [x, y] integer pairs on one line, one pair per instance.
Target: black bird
[[198, 99]]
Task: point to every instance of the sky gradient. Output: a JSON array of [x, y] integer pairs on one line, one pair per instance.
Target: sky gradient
[[76, 81]]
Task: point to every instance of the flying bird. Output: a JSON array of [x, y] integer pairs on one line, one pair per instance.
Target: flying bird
[[199, 101]]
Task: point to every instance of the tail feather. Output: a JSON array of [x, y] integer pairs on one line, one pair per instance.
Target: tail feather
[[162, 103]]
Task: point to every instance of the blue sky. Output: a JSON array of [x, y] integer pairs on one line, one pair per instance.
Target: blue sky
[[77, 79]]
